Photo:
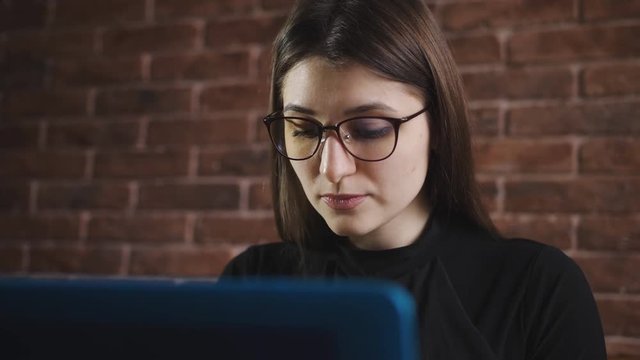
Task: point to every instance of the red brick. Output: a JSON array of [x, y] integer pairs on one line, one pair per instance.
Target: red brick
[[235, 230], [551, 230], [243, 162], [609, 233], [189, 196], [150, 229], [19, 136], [484, 121], [575, 44], [141, 164], [606, 9], [176, 37], [620, 348], [495, 14], [39, 227], [606, 156], [185, 133], [11, 259], [264, 66], [257, 30], [75, 260], [22, 70], [612, 80], [573, 196], [80, 12], [489, 194], [94, 134], [143, 101], [235, 97], [96, 71], [53, 42], [14, 197], [519, 156], [28, 103], [260, 196], [277, 4], [620, 316], [41, 164], [83, 196], [171, 9], [612, 274], [22, 14], [519, 84], [627, 346], [587, 119], [475, 49], [195, 262], [201, 66]]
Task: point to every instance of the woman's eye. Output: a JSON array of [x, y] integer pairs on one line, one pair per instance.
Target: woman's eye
[[373, 133], [301, 129], [304, 131], [369, 132], [307, 133]]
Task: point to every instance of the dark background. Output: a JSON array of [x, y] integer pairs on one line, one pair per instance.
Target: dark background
[[130, 142]]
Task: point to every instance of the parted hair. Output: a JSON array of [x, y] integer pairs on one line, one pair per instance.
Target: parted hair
[[399, 40]]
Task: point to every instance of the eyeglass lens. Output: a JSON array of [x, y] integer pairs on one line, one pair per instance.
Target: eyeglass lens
[[365, 138]]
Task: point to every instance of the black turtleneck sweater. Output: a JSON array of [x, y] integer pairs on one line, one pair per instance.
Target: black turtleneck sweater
[[478, 297]]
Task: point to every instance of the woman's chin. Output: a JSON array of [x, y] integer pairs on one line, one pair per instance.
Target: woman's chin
[[348, 229]]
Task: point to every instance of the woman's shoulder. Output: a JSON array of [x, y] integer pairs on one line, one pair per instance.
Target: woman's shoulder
[[492, 258], [551, 278], [559, 308], [542, 258], [550, 267], [554, 299], [264, 260], [470, 243]]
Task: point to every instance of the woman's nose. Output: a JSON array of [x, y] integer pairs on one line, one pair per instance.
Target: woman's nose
[[336, 162]]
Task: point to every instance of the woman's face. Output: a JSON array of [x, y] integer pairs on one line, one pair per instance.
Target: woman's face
[[378, 205]]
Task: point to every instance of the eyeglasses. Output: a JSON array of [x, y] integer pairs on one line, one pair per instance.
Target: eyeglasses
[[368, 138]]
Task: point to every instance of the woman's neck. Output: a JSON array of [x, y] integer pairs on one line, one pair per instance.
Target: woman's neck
[[403, 230]]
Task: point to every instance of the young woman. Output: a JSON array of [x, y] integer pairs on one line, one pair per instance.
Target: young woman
[[372, 176]]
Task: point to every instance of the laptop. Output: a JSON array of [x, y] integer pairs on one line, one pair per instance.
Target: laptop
[[99, 318]]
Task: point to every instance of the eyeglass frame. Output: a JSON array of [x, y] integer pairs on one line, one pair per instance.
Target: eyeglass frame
[[395, 122]]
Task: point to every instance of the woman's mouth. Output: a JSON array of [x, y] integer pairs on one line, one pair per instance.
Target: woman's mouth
[[343, 202]]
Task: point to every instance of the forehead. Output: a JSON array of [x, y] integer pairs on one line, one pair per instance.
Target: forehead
[[316, 82]]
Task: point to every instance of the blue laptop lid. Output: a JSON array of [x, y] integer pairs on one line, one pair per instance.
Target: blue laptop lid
[[231, 319]]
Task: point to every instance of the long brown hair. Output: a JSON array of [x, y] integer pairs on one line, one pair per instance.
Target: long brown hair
[[398, 39]]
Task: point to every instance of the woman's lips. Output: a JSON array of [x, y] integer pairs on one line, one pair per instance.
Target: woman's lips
[[343, 202]]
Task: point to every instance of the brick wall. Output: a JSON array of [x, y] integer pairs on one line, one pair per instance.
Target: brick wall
[[130, 142]]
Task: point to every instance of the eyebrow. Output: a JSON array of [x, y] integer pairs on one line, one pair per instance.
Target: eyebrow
[[298, 109], [351, 111]]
